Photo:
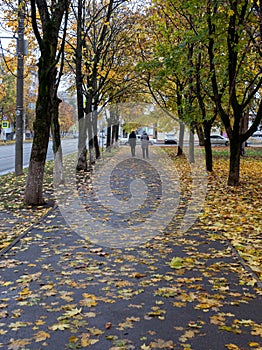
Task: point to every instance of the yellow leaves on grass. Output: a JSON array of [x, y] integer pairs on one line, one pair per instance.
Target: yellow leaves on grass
[[233, 212], [11, 204], [236, 212]]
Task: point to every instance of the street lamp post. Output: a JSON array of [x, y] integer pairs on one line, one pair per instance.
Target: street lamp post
[[20, 92]]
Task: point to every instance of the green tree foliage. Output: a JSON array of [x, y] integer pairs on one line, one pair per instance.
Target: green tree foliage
[[212, 52]]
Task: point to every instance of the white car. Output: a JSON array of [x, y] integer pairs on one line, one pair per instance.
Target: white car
[[219, 140], [138, 140], [255, 139], [124, 141], [170, 139]]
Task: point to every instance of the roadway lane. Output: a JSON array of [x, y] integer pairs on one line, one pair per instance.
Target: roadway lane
[[7, 154]]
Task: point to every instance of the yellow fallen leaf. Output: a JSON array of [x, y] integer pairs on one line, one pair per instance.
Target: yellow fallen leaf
[[59, 326], [87, 341], [232, 347], [16, 344], [89, 300], [25, 291], [145, 347], [72, 313], [41, 336], [73, 339]]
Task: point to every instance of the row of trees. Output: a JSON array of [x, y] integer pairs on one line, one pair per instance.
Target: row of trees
[[199, 60], [67, 112], [8, 92], [206, 65]]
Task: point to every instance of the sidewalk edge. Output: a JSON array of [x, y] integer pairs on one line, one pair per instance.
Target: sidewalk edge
[[17, 239]]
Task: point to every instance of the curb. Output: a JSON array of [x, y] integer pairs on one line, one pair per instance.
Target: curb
[[16, 240]]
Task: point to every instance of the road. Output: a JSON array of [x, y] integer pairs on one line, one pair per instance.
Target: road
[[7, 154]]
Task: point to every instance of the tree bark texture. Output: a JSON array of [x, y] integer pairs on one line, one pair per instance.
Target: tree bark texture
[[47, 37], [181, 139], [234, 167], [82, 139], [208, 148], [34, 183]]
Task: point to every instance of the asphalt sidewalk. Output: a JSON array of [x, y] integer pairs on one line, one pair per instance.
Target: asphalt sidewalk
[[173, 291]]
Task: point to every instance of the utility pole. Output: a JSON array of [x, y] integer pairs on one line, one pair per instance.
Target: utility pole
[[20, 91]]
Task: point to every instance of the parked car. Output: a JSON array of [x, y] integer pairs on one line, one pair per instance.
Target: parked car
[[219, 140], [170, 139], [124, 140], [256, 138], [138, 140]]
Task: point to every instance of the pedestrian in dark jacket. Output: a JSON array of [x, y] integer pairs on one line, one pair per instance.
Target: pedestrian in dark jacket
[[132, 143]]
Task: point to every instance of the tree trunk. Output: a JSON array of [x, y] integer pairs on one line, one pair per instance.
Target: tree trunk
[[44, 106], [234, 168], [108, 136], [208, 148], [82, 150], [95, 132], [90, 139], [96, 146], [51, 17], [191, 145], [200, 134], [57, 149], [82, 136], [181, 139], [114, 134]]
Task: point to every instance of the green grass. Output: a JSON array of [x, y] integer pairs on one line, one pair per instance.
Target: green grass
[[224, 152]]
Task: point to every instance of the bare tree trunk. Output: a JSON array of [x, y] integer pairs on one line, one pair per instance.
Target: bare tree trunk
[[200, 134], [82, 133], [181, 139], [90, 140], [82, 150], [235, 152], [191, 145], [108, 135], [208, 148], [44, 105], [57, 149], [243, 129], [95, 132], [47, 37]]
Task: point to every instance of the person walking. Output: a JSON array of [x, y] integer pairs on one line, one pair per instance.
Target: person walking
[[144, 145], [132, 143]]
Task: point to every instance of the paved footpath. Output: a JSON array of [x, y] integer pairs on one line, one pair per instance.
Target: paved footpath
[[174, 291]]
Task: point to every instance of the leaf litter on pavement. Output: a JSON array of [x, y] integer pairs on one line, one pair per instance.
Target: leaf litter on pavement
[[15, 217], [86, 296]]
